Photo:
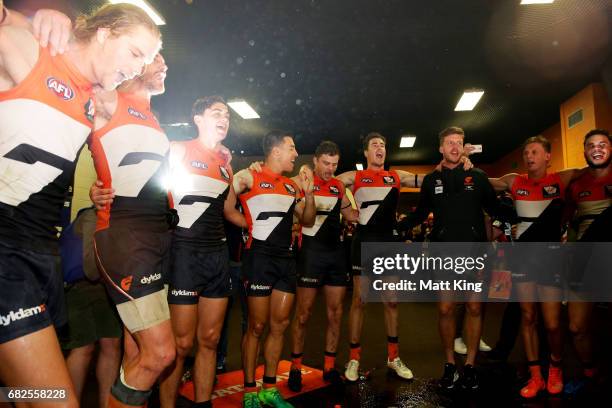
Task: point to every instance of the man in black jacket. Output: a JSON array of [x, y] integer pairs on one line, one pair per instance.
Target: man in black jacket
[[457, 198]]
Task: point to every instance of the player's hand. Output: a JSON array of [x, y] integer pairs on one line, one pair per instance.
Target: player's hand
[[467, 163], [307, 178], [256, 166], [52, 28], [101, 197], [468, 149]]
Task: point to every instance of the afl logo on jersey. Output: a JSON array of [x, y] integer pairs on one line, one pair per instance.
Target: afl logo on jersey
[[522, 192], [224, 172], [334, 190], [136, 114], [290, 189], [60, 89], [367, 180], [389, 179], [265, 184], [583, 194], [550, 191]]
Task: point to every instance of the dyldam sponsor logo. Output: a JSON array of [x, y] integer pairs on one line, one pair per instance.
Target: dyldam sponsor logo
[[22, 313], [259, 287], [183, 292], [404, 262], [151, 278]]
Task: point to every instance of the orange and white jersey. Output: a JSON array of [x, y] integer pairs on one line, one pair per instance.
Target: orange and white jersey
[[44, 122], [539, 206], [376, 194], [200, 184], [592, 197], [268, 208], [131, 155], [325, 233]]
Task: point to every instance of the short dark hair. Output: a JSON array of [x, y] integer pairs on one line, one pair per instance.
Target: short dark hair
[[594, 132], [201, 104], [451, 130], [327, 147], [370, 136], [537, 139], [272, 139]]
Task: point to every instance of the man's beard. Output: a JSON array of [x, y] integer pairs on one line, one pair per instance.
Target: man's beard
[[598, 166]]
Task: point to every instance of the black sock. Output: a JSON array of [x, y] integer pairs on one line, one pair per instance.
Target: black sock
[[269, 380], [204, 404]]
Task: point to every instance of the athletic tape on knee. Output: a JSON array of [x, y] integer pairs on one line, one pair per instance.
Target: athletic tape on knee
[[122, 378], [128, 395]]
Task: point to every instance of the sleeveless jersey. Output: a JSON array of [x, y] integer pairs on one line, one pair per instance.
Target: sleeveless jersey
[[44, 122], [324, 235], [592, 197], [268, 208], [200, 185], [376, 194], [539, 207], [131, 155]]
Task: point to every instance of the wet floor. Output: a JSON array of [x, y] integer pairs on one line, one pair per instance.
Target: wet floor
[[420, 349]]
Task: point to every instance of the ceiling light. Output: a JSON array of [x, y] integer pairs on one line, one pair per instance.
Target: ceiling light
[[536, 1], [407, 141], [243, 109], [469, 99], [359, 166], [143, 4]]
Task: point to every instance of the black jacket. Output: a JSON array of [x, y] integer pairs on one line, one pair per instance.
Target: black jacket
[[457, 199]]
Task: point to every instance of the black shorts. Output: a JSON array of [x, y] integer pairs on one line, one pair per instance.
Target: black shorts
[[133, 263], [360, 237], [543, 264], [31, 292], [196, 272], [91, 316], [262, 272], [319, 268]]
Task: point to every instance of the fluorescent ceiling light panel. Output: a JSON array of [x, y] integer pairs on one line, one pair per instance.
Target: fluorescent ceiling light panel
[[407, 141], [143, 4], [469, 99], [536, 1], [359, 166], [243, 109]]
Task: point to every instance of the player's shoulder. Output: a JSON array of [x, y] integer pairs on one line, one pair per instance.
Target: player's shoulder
[[478, 173]]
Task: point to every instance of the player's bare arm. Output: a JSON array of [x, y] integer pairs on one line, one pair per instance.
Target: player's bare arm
[[348, 212], [410, 180], [306, 209], [503, 183], [230, 212], [347, 178], [18, 53], [243, 181]]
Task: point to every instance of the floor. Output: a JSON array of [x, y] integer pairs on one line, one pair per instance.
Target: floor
[[420, 349]]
